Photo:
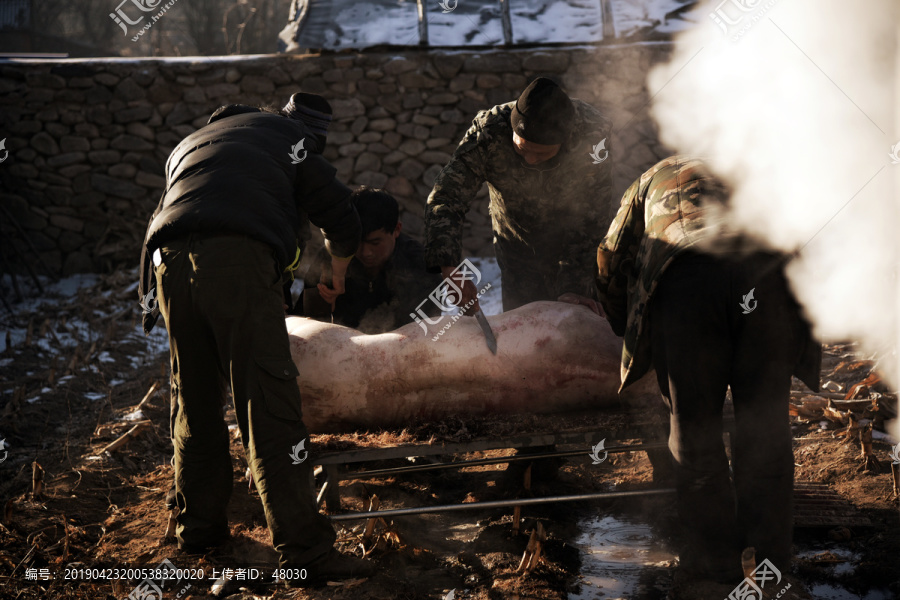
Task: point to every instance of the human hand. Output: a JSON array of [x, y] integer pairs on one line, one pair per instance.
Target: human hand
[[338, 274], [469, 292]]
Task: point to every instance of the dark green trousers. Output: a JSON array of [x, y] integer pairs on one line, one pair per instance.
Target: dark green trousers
[[703, 341], [221, 298]]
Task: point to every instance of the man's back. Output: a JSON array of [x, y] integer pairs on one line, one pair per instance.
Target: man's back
[[236, 175]]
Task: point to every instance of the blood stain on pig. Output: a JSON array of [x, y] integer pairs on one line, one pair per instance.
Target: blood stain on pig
[[541, 342]]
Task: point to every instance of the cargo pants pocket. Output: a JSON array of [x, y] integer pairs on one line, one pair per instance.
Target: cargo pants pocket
[[278, 385]]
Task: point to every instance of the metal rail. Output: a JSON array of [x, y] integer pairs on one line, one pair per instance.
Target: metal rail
[[587, 437], [497, 504], [492, 461]]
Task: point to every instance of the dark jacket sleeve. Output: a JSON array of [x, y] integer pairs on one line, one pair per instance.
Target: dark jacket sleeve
[[327, 202], [449, 201], [147, 284], [615, 258]]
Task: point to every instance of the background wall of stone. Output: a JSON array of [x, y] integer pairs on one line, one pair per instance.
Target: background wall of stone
[[88, 140]]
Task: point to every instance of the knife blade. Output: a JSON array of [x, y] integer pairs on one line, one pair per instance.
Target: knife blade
[[488, 332]]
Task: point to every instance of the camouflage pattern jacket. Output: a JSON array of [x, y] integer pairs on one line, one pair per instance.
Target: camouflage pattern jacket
[[547, 212], [668, 209]]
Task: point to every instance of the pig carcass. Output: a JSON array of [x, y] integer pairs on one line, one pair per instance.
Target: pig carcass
[[551, 357]]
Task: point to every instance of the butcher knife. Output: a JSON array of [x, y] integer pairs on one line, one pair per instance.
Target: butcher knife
[[488, 333]]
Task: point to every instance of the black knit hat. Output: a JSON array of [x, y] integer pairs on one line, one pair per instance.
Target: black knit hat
[[313, 110], [543, 114]]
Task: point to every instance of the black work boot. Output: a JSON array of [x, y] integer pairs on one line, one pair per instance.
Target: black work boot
[[333, 566]]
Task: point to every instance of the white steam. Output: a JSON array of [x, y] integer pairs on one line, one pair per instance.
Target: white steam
[[796, 105]]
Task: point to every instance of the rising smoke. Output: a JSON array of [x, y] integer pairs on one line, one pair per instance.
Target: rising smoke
[[794, 103]]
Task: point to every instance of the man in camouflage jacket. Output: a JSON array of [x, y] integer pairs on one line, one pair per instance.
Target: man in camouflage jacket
[[707, 310], [547, 193]]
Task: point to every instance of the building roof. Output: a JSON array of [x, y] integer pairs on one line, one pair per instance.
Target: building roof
[[358, 24]]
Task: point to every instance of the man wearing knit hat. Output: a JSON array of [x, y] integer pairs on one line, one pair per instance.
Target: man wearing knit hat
[[239, 197], [549, 188]]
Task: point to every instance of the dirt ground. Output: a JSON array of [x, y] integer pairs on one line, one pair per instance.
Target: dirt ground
[[105, 510]]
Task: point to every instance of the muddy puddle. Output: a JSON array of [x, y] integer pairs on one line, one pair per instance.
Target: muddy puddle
[[838, 562], [622, 557]]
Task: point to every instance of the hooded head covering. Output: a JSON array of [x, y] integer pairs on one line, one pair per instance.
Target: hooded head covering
[[313, 110], [223, 112], [543, 114]]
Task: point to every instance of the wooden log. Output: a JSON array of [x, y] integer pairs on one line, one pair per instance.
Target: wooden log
[[532, 556], [124, 439], [832, 395], [37, 480], [109, 428], [870, 461], [374, 503], [147, 396]]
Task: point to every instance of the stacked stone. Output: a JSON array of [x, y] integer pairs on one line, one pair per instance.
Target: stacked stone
[[88, 140]]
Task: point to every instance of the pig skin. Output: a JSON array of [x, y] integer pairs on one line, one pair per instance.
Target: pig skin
[[551, 357]]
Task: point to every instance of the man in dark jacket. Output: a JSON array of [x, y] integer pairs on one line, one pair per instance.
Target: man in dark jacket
[[239, 194], [386, 279], [709, 311]]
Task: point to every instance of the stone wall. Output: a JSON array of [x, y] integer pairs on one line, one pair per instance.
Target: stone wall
[[88, 139]]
